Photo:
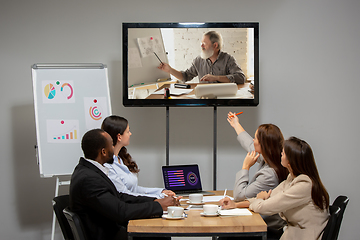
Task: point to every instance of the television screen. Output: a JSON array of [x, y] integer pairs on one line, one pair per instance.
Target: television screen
[[191, 64]]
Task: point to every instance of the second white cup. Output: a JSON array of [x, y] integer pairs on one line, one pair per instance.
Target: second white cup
[[195, 198], [210, 209]]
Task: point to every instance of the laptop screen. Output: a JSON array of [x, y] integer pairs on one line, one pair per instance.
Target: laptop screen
[[182, 177]]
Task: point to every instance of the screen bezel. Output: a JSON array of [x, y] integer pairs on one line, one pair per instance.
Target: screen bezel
[[190, 102]]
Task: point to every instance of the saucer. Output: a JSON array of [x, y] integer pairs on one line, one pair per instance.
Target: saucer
[[209, 215], [191, 203], [165, 216]]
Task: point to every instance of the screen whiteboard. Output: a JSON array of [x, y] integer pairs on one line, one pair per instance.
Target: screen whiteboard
[[142, 62], [69, 100]]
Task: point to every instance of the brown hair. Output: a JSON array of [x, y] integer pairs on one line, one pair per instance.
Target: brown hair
[[271, 140], [115, 125], [302, 161]]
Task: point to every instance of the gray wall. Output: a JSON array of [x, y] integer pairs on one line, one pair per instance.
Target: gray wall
[[309, 62]]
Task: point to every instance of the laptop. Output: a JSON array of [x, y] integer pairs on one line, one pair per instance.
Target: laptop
[[183, 179]]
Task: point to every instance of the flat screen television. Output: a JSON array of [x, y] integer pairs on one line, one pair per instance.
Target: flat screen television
[[146, 46]]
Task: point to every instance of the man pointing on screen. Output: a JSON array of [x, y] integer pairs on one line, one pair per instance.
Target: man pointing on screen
[[212, 66]]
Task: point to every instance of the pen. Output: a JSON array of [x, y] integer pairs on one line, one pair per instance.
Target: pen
[[225, 193], [168, 195], [158, 57], [236, 114]]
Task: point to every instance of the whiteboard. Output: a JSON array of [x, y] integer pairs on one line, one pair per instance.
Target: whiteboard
[[142, 62], [69, 100]]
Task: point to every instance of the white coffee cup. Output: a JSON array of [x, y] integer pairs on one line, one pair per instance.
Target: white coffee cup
[[195, 198], [210, 209], [175, 212]]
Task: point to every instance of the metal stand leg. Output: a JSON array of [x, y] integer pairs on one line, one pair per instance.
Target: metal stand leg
[[54, 217], [167, 137], [58, 184], [215, 145]]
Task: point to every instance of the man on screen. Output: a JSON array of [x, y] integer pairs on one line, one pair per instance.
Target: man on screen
[[212, 66]]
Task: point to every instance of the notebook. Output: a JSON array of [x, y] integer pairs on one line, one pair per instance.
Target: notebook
[[183, 179]]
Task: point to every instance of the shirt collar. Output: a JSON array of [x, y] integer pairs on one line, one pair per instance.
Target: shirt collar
[[117, 159], [104, 169], [208, 59]]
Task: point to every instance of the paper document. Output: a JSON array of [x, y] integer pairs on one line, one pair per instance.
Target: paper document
[[174, 91], [235, 212], [215, 198], [149, 45], [134, 60], [242, 93]]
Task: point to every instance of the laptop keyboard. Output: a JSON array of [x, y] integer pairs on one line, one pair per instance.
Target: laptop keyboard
[[186, 193]]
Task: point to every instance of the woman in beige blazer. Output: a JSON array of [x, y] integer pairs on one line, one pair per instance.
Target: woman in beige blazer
[[301, 200]]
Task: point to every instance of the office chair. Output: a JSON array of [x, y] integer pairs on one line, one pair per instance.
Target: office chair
[[75, 224], [332, 229], [59, 203]]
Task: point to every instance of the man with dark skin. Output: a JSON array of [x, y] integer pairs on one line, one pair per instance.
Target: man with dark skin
[[104, 211]]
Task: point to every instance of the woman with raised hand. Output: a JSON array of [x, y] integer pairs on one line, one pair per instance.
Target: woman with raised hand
[[301, 199], [123, 172], [265, 148]]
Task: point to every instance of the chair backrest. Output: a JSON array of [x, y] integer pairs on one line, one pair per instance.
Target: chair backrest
[[75, 224], [332, 229], [59, 203], [341, 202]]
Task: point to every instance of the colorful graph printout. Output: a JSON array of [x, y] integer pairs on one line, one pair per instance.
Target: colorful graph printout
[[57, 91], [49, 91], [63, 131], [95, 111], [70, 92]]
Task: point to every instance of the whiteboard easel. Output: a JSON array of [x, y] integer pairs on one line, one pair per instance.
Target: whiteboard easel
[[69, 100]]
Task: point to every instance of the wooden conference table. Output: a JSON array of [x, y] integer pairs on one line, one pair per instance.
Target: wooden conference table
[[196, 225]]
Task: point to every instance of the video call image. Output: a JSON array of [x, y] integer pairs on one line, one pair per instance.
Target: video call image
[[148, 48]]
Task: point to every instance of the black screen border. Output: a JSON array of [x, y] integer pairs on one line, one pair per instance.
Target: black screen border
[[190, 102]]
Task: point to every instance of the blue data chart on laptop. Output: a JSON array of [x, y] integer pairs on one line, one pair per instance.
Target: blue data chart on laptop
[[182, 177]]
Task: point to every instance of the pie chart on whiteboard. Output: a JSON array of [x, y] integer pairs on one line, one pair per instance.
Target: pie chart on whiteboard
[[49, 91], [70, 88]]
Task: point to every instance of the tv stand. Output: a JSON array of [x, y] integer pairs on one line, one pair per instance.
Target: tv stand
[[214, 141]]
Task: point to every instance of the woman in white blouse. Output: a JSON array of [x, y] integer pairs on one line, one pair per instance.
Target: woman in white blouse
[[301, 199], [123, 172]]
